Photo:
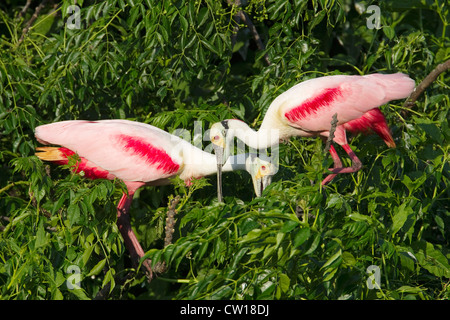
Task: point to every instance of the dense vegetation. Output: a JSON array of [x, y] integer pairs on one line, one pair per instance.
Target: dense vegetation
[[172, 62]]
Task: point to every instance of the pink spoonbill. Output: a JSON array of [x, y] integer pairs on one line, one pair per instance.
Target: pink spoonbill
[[139, 155], [307, 110]]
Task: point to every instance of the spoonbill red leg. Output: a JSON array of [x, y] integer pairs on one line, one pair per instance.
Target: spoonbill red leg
[[340, 137], [356, 163], [137, 154], [306, 110], [337, 164], [130, 239]]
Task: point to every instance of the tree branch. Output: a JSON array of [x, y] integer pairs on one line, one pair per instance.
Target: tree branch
[[161, 267], [426, 82], [170, 220], [13, 184], [242, 15], [31, 21], [334, 122], [24, 9]]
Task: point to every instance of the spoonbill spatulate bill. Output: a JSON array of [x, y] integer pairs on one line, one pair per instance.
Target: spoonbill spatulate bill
[[307, 109], [139, 155]]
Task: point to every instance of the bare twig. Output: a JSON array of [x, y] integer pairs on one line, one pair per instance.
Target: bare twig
[[334, 122], [24, 9], [426, 82], [31, 21], [242, 15], [170, 220], [161, 267]]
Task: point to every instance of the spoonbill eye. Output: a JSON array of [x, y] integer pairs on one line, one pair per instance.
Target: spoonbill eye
[[216, 138], [263, 168]]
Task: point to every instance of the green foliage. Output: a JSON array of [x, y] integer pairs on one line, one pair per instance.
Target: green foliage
[[170, 63]]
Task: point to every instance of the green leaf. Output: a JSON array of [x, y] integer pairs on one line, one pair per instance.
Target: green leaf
[[268, 251], [329, 274], [389, 32], [97, 268], [289, 226], [57, 295], [332, 259], [348, 258], [87, 254], [134, 12], [162, 92], [418, 178], [359, 217], [314, 244], [431, 259], [109, 278], [59, 202], [301, 236], [73, 214], [316, 20], [284, 282], [184, 24], [41, 237], [400, 217], [280, 236], [202, 16], [80, 294], [129, 99], [431, 130], [209, 46], [334, 201], [253, 234]]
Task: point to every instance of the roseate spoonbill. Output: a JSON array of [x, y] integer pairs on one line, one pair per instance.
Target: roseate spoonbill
[[138, 154], [307, 109]]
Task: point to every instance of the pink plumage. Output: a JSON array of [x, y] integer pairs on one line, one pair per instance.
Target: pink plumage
[[307, 110], [125, 149], [310, 105], [151, 155], [82, 166], [313, 105], [372, 120], [136, 153]]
